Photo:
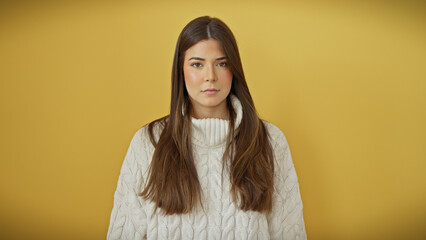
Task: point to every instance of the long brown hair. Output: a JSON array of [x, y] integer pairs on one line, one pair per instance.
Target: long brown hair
[[172, 182]]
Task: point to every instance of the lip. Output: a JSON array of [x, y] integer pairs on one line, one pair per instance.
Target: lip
[[211, 91]]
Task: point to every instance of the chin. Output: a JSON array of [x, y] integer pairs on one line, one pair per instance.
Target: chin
[[214, 102]]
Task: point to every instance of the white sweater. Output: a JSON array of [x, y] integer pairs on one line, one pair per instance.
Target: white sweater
[[134, 218]]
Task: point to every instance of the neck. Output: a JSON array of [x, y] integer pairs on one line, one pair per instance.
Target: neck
[[213, 131], [218, 112]]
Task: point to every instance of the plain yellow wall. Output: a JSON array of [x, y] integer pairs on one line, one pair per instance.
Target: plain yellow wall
[[345, 82]]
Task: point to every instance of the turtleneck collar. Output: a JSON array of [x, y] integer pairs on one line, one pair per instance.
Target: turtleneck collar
[[213, 131]]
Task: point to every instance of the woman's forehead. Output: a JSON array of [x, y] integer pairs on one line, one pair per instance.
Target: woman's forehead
[[210, 48]]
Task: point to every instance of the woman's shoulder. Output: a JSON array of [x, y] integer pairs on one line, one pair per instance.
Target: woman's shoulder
[[143, 138], [275, 134]]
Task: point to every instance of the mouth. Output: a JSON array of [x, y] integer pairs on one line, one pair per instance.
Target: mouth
[[211, 91]]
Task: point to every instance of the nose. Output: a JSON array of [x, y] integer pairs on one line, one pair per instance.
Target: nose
[[210, 74]]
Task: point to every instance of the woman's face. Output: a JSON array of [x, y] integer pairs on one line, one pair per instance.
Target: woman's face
[[208, 79]]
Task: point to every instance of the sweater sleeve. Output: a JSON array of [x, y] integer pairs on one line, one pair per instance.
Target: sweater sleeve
[[286, 218], [128, 218]]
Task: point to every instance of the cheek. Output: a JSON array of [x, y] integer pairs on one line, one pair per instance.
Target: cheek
[[191, 78], [226, 77]]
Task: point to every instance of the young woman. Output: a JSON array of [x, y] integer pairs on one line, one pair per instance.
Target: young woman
[[211, 169]]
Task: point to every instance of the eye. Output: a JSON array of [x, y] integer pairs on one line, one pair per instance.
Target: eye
[[196, 64], [222, 64]]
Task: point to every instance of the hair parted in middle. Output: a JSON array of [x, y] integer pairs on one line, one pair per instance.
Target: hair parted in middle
[[172, 182]]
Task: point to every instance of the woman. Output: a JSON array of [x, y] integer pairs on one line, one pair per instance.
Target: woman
[[211, 169]]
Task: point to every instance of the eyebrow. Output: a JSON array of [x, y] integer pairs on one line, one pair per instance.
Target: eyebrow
[[202, 59]]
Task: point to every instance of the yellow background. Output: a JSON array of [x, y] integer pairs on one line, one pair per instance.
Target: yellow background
[[346, 82]]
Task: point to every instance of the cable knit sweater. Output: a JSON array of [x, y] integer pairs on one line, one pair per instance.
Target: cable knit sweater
[[134, 218]]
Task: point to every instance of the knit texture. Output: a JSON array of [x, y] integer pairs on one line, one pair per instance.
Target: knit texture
[[219, 218]]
